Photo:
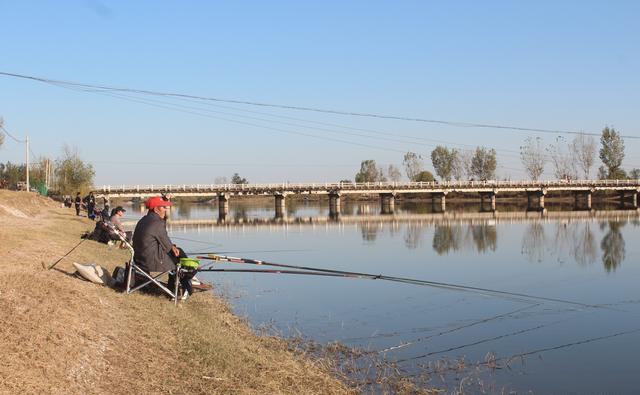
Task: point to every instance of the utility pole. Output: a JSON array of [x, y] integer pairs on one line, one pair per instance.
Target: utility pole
[[26, 152]]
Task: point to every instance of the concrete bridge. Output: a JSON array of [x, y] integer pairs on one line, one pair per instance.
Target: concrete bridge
[[487, 191]]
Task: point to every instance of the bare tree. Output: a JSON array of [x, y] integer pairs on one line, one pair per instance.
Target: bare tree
[[467, 159], [394, 173], [458, 170], [532, 156], [583, 149], [412, 165], [562, 159]]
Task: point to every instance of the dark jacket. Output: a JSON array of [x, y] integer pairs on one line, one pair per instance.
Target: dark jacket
[[151, 244]]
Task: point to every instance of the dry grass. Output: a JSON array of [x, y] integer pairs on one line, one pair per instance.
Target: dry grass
[[64, 335]]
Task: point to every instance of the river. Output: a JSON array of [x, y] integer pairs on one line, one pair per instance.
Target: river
[[584, 342]]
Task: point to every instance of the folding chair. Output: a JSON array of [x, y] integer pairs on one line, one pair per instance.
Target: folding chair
[[133, 270]]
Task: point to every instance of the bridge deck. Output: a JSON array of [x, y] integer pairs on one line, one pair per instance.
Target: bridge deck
[[368, 187]]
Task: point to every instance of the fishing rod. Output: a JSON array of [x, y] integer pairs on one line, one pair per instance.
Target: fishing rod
[[246, 252], [67, 254], [438, 284], [274, 272]]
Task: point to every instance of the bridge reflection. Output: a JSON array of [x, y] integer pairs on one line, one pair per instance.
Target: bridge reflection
[[424, 219]]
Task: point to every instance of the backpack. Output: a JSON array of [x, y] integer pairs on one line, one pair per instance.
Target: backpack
[[119, 278]]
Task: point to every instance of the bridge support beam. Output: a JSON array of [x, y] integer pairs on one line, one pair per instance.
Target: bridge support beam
[[334, 204], [223, 206], [586, 197], [442, 198], [387, 202], [489, 196], [536, 196], [280, 204], [630, 197]]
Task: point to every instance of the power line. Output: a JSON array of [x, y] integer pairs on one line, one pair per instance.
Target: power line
[[196, 111], [12, 136], [311, 109]]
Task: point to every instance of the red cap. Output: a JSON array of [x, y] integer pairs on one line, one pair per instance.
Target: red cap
[[156, 201]]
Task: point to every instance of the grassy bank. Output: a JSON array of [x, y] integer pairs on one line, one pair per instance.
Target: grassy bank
[[64, 335]]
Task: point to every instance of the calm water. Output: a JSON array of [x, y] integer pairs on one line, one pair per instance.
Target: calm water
[[590, 258]]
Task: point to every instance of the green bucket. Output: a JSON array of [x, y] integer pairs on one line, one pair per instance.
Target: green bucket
[[189, 263]]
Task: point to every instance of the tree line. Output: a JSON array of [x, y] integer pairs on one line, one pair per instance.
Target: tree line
[[574, 159], [65, 175], [448, 163], [569, 160]]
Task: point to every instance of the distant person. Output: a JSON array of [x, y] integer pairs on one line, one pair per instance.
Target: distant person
[[116, 214], [153, 250], [90, 201], [78, 203]]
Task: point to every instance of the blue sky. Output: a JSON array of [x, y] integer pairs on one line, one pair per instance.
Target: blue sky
[[570, 65]]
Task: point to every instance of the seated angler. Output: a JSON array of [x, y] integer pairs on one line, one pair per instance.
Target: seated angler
[[154, 251], [116, 214]]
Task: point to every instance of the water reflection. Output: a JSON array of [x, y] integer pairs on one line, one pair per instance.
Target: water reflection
[[447, 238], [369, 232], [485, 237], [413, 236], [585, 251], [533, 242], [613, 246], [574, 240]]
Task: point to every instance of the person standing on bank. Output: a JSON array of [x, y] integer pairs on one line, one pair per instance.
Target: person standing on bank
[[78, 203], [90, 201], [153, 250]]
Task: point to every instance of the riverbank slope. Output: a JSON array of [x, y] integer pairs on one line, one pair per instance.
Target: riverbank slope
[[61, 334]]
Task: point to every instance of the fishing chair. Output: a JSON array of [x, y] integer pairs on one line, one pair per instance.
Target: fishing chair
[[134, 270]]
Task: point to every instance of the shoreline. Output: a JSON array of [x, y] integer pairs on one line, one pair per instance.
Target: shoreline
[[66, 335]]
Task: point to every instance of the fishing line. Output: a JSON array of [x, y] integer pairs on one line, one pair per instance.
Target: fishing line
[[537, 351], [472, 344], [482, 321]]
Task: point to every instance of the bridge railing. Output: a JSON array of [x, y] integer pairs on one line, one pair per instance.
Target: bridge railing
[[168, 188]]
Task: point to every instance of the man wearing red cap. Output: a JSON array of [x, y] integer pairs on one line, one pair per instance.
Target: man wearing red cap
[[153, 250]]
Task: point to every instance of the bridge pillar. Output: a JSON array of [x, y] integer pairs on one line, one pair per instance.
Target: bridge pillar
[[535, 196], [280, 204], [442, 197], [491, 197], [334, 203], [387, 202], [223, 206]]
